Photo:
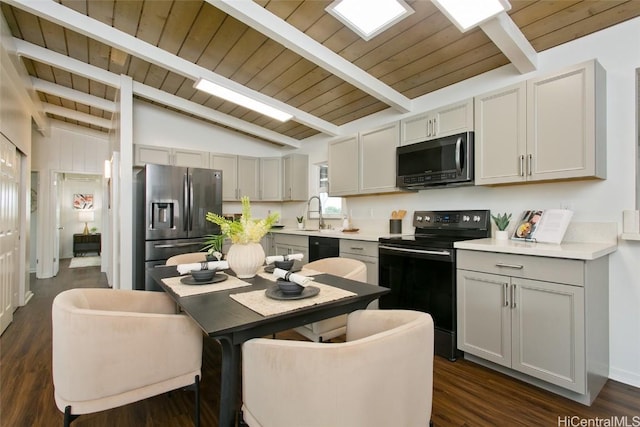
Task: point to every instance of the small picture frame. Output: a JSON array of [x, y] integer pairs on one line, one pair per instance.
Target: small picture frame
[[83, 201]]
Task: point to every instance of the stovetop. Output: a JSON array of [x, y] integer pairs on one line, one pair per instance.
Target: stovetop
[[440, 229]]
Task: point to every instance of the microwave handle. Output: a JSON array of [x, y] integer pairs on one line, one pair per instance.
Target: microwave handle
[[458, 156]]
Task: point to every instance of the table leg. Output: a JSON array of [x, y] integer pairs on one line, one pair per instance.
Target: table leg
[[228, 382]]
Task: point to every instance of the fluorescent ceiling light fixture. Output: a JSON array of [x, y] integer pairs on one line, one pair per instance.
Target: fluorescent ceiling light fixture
[[369, 18], [466, 14], [243, 100]]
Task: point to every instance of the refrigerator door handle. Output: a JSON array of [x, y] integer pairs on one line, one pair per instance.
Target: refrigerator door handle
[[190, 202], [185, 209]]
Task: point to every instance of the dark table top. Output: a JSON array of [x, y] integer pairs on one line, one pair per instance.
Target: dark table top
[[221, 316]]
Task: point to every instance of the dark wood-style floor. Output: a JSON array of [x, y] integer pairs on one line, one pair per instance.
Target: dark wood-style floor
[[465, 394]]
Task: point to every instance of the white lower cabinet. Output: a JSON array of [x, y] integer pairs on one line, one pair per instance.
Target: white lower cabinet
[[546, 318], [364, 251], [286, 244]]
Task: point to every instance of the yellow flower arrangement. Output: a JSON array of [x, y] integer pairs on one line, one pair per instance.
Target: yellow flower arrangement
[[246, 229]]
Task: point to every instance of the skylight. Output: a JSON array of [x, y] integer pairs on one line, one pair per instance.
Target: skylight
[[466, 14], [367, 18]]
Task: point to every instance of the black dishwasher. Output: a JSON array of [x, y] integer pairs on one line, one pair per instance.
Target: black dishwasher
[[323, 247]]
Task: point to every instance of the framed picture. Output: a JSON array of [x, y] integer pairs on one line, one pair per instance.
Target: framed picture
[[83, 201]]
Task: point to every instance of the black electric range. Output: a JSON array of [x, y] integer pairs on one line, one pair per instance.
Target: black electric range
[[420, 269]]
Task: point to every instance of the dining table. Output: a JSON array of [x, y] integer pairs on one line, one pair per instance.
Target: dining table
[[221, 313]]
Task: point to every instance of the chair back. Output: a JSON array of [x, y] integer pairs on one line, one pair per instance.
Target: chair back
[[187, 258], [344, 267], [381, 376]]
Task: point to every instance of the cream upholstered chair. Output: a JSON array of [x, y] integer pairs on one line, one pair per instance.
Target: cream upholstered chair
[[114, 347], [335, 326], [187, 258], [381, 376]]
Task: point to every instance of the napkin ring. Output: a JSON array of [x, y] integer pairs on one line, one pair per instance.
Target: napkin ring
[[204, 265], [287, 275], [285, 257]]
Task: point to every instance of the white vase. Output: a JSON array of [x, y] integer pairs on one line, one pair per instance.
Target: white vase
[[245, 259], [502, 235], [300, 225]]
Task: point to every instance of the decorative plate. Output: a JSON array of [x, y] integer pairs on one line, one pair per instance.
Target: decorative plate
[[308, 292], [189, 280]]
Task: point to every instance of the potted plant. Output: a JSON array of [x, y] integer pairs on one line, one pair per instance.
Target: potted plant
[[502, 222], [300, 220], [213, 246], [246, 254]]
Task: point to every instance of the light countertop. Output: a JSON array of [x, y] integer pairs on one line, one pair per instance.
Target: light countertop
[[569, 250], [335, 233]]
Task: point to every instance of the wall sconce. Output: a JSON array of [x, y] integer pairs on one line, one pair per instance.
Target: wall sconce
[[86, 216]]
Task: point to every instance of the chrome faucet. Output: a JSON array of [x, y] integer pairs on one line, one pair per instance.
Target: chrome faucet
[[321, 222]]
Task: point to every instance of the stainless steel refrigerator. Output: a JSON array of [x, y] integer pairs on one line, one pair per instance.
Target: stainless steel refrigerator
[[169, 212]]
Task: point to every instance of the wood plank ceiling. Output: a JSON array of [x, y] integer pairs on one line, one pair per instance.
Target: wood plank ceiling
[[421, 54]]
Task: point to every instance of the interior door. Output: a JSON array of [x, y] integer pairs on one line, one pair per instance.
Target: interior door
[[8, 230]]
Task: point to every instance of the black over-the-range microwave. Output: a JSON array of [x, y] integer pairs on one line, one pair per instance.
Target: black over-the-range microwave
[[446, 161]]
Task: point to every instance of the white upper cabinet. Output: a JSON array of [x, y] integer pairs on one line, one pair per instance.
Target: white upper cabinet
[[449, 120], [295, 177], [343, 167], [566, 119], [256, 178], [365, 163], [248, 177], [501, 135], [170, 156], [548, 128], [228, 164], [378, 159], [271, 179]]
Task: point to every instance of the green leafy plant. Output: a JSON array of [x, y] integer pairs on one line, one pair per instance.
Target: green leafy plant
[[299, 219], [246, 229], [501, 221], [213, 244]]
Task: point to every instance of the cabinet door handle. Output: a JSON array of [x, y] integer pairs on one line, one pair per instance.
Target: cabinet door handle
[[513, 296], [530, 164], [505, 296], [356, 248], [522, 165], [434, 131], [516, 266]]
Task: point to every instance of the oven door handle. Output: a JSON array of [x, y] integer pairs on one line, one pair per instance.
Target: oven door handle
[[416, 251]]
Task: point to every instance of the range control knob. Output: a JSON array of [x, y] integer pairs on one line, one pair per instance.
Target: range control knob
[[427, 218], [476, 218], [466, 218], [418, 218]]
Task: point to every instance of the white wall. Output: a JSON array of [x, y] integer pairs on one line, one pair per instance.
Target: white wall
[[618, 52]]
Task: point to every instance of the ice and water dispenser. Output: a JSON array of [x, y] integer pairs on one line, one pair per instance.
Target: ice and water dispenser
[[162, 215]]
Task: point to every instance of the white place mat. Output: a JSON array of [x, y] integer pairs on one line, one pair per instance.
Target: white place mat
[[262, 304], [185, 290]]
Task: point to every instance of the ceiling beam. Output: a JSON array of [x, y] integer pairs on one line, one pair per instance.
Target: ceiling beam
[[110, 36], [72, 94], [260, 19], [76, 115], [198, 110], [514, 45], [80, 68]]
